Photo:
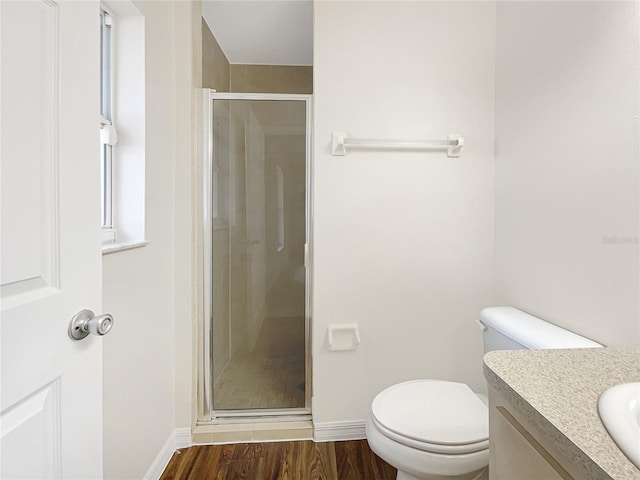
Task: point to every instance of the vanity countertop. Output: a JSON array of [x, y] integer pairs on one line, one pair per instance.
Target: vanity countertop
[[558, 391]]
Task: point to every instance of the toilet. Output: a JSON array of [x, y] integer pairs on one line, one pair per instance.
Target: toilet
[[439, 430]]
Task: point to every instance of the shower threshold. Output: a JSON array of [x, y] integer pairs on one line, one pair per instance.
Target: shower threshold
[[267, 415], [253, 429]]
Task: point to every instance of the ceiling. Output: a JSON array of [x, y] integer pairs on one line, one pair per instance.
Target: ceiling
[[262, 32]]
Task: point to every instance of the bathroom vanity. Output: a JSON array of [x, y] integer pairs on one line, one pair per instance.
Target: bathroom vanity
[[543, 413]]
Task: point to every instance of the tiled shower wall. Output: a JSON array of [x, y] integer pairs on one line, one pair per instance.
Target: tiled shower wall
[[219, 74], [271, 78], [215, 66]]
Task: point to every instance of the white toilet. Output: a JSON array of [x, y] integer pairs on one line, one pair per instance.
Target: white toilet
[[439, 430]]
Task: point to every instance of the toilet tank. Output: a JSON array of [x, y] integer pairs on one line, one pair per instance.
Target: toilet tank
[[507, 328]]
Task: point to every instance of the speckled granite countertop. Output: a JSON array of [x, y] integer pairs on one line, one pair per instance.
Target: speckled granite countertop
[[558, 391]]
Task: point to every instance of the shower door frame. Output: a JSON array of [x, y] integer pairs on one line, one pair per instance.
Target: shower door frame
[[206, 414]]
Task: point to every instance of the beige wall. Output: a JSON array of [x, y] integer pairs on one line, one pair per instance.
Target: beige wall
[[285, 268], [274, 285], [403, 241], [567, 152], [220, 248], [220, 300], [238, 234], [215, 66], [271, 79], [147, 357]]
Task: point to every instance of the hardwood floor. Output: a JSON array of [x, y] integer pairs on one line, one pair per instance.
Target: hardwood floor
[[352, 460]]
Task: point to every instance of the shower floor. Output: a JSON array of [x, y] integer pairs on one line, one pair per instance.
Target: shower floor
[[272, 375]]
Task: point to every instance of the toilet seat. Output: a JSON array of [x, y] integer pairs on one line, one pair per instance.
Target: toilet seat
[[430, 447], [433, 416]]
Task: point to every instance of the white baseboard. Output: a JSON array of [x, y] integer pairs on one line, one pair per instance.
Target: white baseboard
[[336, 431], [322, 432], [162, 459], [180, 438], [183, 438]]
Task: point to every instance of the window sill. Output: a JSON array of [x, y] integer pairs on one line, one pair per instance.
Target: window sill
[[108, 248]]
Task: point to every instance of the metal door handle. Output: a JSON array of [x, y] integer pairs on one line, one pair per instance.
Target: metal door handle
[[85, 322]]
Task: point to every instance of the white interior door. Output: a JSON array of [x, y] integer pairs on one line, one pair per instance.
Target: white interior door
[[51, 399]]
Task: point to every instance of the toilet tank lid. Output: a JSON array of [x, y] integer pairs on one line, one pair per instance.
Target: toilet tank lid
[[531, 332]]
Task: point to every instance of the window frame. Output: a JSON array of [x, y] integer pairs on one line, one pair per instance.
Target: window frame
[[126, 165], [107, 126]]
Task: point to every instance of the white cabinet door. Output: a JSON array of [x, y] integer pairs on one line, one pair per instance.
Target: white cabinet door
[[51, 398]]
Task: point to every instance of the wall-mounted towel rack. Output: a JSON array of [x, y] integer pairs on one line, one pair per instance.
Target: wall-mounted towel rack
[[340, 141]]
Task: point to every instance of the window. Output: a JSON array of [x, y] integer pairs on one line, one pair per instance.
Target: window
[[108, 135], [122, 125]]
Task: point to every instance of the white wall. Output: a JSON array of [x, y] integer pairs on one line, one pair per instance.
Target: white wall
[[403, 241], [148, 289], [567, 153], [188, 58]]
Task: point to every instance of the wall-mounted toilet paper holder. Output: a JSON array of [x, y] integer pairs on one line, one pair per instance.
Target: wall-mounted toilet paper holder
[[343, 336]]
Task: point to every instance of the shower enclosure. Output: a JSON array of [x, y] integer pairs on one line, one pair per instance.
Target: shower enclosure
[[254, 332]]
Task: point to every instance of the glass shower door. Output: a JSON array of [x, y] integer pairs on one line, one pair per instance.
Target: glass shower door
[[258, 279]]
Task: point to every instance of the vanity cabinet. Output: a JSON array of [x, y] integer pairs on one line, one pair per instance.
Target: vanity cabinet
[[515, 453], [543, 413]]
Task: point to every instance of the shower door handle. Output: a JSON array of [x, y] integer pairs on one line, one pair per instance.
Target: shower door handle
[[85, 322]]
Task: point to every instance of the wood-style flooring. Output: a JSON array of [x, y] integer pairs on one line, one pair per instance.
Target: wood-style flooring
[[305, 460]]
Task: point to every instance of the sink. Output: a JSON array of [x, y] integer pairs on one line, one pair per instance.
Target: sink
[[619, 409]]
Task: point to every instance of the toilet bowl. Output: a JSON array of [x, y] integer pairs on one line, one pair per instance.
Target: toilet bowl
[[430, 430], [438, 430]]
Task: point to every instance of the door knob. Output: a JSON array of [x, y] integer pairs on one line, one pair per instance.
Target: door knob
[[85, 322]]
